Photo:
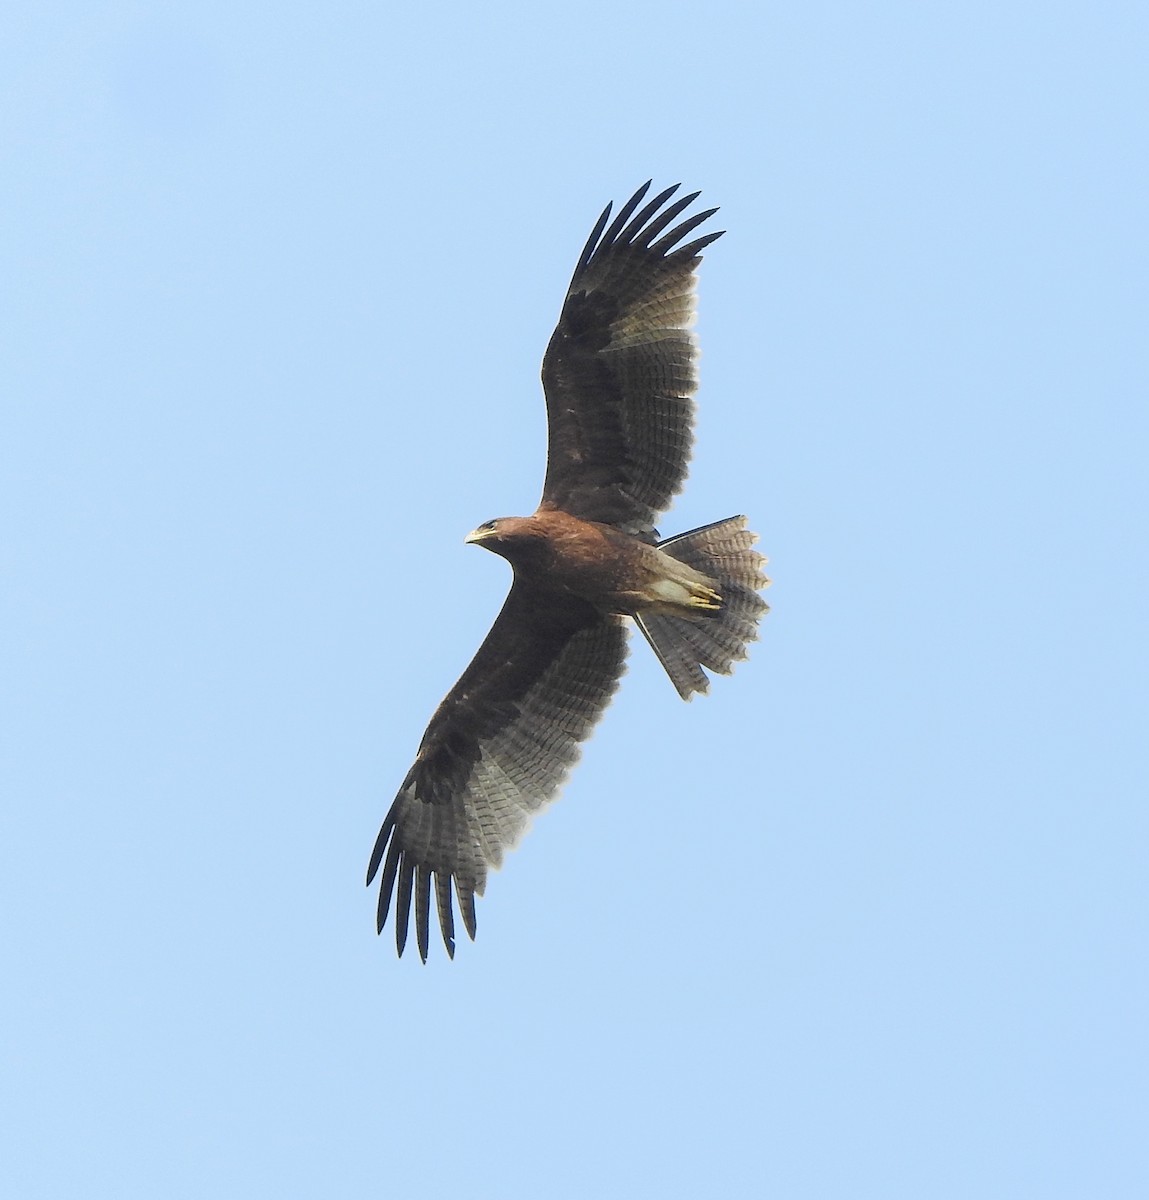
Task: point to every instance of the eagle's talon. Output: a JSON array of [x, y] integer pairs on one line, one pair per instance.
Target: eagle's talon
[[705, 598]]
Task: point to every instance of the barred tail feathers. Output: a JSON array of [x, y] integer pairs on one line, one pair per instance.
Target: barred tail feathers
[[723, 552]]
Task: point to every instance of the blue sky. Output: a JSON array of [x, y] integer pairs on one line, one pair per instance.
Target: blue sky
[[870, 919]]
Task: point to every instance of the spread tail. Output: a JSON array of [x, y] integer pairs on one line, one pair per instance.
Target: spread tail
[[717, 640]]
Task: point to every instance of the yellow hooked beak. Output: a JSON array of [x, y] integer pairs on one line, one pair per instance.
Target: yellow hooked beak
[[479, 535]]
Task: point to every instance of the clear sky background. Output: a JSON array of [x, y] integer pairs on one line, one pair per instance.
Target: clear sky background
[[870, 919]]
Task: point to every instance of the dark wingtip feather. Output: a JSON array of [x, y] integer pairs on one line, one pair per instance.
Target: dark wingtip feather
[[379, 847], [638, 227], [665, 244], [446, 912], [624, 213], [403, 904], [387, 884], [695, 248], [664, 218], [467, 908], [592, 241], [632, 230], [423, 909]]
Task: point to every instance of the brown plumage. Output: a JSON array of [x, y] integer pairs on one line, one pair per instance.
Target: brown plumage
[[619, 380]]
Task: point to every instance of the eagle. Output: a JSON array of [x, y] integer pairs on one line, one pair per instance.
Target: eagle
[[619, 378]]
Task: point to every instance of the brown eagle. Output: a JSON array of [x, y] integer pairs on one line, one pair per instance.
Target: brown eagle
[[619, 379]]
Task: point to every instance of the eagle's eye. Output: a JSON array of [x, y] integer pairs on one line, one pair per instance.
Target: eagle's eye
[[488, 526]]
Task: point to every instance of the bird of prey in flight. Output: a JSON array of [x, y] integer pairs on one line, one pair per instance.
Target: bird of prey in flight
[[619, 377]]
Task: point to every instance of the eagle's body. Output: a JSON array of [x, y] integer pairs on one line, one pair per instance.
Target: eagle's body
[[618, 573], [619, 380]]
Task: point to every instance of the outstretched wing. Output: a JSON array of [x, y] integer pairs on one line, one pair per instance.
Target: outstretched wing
[[496, 751], [619, 370]]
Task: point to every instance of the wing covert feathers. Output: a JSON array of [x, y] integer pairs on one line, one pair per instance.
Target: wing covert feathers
[[497, 749], [619, 372]]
